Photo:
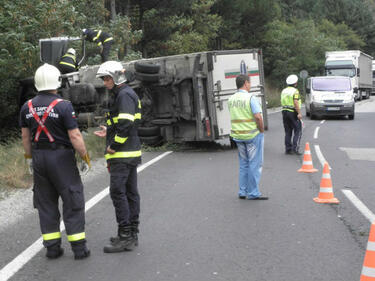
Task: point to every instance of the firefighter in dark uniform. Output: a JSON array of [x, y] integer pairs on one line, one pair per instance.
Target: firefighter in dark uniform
[[123, 154], [103, 39], [68, 62], [292, 117], [50, 135]]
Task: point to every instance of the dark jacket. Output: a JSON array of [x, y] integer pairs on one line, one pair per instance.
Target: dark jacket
[[123, 118]]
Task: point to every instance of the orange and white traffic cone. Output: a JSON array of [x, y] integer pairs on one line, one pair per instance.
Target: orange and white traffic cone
[[326, 190], [307, 165], [368, 269]]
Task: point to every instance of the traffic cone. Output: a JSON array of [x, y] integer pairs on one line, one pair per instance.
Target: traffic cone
[[326, 190], [368, 269], [307, 165]]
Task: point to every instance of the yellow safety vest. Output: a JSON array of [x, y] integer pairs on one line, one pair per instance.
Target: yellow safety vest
[[243, 125], [288, 95]]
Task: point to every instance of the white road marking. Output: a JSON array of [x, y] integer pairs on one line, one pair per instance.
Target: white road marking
[[322, 122], [316, 132], [366, 154], [321, 158], [17, 263], [359, 205]]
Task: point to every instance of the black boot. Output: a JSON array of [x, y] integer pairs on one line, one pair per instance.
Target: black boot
[[124, 242], [54, 252], [80, 250], [135, 231]]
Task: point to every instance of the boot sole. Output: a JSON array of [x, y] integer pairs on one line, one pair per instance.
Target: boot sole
[[124, 249]]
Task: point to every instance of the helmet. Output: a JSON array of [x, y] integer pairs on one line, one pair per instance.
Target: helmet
[[113, 69], [71, 51], [292, 79], [47, 77], [84, 31]]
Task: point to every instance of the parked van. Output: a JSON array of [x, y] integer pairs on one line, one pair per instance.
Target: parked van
[[329, 95]]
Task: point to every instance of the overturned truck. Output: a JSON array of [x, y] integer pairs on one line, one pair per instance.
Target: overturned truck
[[184, 97]]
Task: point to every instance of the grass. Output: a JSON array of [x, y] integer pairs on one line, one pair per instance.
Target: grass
[[272, 97]]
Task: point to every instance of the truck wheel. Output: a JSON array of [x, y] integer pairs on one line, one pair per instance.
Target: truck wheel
[[359, 95], [351, 116], [152, 141], [146, 77], [146, 67], [148, 131]]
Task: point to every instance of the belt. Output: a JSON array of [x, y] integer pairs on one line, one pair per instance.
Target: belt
[[50, 146]]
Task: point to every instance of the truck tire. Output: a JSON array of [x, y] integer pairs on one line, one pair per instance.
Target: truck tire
[[148, 131], [152, 141], [146, 77], [351, 116], [146, 67]]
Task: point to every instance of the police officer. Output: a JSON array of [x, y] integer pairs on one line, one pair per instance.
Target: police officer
[[68, 62], [50, 135], [291, 111], [103, 39], [123, 154]]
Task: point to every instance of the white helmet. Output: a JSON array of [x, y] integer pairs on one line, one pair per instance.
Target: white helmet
[[71, 51], [47, 77], [292, 79], [113, 69], [84, 31]]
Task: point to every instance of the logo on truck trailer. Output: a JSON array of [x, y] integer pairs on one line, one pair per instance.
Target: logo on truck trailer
[[233, 73]]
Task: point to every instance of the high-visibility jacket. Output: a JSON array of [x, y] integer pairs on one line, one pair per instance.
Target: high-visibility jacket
[[243, 125], [68, 63], [288, 95], [98, 36], [123, 118]]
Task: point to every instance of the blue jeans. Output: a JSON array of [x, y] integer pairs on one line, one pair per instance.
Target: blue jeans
[[250, 154]]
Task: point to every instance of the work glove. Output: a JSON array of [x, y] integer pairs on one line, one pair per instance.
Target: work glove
[[29, 163], [85, 165]]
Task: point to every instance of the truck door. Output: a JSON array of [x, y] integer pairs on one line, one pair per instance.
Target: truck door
[[227, 65]]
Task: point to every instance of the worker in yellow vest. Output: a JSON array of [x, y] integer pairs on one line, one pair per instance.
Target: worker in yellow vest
[[292, 117], [247, 131]]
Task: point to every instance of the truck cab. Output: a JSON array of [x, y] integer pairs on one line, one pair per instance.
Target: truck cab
[[329, 96]]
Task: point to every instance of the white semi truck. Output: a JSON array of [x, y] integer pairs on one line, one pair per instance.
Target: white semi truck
[[373, 77], [355, 64], [184, 97]]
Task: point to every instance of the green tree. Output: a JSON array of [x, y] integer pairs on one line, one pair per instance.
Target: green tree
[[291, 47]]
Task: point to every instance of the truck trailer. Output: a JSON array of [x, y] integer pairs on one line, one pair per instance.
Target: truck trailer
[[184, 97], [354, 64]]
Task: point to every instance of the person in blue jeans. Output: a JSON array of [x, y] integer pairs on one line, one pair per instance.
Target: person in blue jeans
[[247, 130]]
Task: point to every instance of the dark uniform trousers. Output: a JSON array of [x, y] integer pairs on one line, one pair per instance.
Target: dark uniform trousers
[[124, 192], [106, 48], [56, 174], [292, 125]]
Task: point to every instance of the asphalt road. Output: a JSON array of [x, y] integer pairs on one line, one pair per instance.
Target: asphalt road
[[193, 226]]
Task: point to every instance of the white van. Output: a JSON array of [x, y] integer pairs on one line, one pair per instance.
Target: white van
[[329, 95]]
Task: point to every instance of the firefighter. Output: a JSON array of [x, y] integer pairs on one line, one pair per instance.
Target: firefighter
[[292, 117], [103, 39], [68, 62], [123, 154], [50, 137]]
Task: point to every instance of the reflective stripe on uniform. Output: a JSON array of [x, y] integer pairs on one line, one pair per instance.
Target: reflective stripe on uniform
[[108, 39], [124, 154], [242, 120], [120, 139], [51, 236], [124, 116], [76, 237], [68, 64], [137, 116], [97, 35], [243, 132], [139, 104]]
